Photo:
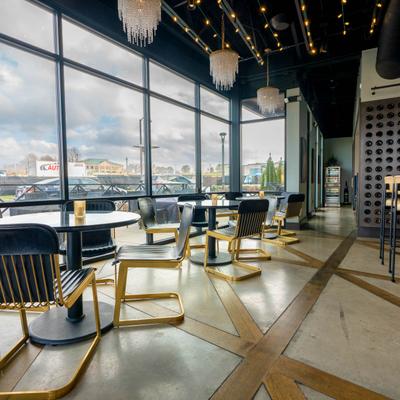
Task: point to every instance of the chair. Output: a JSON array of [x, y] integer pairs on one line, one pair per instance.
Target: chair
[[251, 217], [95, 243], [232, 213], [149, 219], [199, 215], [290, 207], [30, 279], [152, 256]]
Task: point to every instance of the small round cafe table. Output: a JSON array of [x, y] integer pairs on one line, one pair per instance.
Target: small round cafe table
[[214, 259], [57, 325]]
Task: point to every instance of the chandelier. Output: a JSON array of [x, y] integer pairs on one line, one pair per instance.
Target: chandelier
[[224, 64], [140, 19], [268, 97]]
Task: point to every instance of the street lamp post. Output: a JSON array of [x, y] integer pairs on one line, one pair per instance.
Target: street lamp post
[[223, 136]]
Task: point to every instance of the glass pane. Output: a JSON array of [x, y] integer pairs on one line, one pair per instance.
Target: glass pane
[[214, 103], [214, 155], [104, 136], [263, 156], [29, 168], [25, 21], [251, 111], [92, 50], [172, 85], [173, 154]]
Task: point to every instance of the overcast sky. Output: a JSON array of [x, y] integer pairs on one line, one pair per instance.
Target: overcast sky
[[103, 118]]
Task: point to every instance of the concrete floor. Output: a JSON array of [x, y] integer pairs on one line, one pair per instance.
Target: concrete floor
[[350, 332]]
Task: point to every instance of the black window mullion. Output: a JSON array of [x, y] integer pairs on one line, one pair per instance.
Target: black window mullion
[[197, 129], [147, 128]]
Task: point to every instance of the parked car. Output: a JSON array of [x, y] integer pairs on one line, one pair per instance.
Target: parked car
[[50, 188]]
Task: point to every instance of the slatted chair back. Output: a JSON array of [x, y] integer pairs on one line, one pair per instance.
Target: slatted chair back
[[147, 211], [252, 214], [184, 230], [294, 205], [29, 269]]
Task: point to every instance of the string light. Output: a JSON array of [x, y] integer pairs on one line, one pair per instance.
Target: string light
[[375, 15], [180, 22], [267, 25], [239, 29], [307, 26], [342, 17]]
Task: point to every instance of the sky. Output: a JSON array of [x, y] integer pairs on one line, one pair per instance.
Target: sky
[[103, 118]]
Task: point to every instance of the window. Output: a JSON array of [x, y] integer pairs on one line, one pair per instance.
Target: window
[[214, 103], [263, 155], [248, 114], [171, 85], [28, 127], [250, 110], [173, 148], [215, 140], [27, 22], [104, 137], [92, 50]]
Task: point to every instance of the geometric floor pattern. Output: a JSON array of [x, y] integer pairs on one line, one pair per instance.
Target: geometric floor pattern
[[321, 322]]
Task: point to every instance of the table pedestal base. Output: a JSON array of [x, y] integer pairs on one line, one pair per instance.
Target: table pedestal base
[[53, 328], [220, 259]]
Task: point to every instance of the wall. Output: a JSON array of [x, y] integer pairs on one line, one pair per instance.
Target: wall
[[370, 78], [342, 150]]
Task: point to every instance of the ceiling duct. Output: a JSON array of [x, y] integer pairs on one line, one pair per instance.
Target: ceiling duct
[[388, 58]]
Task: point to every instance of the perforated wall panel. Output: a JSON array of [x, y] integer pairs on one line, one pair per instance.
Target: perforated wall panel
[[380, 156]]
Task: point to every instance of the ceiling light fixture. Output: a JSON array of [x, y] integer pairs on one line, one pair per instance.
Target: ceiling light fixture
[[140, 19], [224, 64]]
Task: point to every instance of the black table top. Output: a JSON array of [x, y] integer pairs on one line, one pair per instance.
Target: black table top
[[267, 196], [64, 221], [211, 204]]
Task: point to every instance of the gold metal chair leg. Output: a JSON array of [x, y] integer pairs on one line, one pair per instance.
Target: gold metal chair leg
[[62, 391], [8, 356]]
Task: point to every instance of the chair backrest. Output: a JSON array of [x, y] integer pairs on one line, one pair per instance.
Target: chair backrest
[[233, 195], [93, 205], [28, 266], [184, 230], [294, 205], [199, 215], [252, 214], [147, 211]]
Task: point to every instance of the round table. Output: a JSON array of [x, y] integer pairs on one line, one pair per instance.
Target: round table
[[214, 259], [57, 325]]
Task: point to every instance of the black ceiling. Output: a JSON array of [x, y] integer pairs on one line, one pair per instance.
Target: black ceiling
[[328, 79]]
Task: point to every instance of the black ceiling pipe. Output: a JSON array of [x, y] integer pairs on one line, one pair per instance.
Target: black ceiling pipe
[[388, 58]]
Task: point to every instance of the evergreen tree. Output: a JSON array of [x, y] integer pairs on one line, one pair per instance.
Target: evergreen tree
[[280, 171], [268, 177]]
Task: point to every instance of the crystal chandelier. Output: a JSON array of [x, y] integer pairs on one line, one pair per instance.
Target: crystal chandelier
[[140, 19], [268, 97], [224, 65]]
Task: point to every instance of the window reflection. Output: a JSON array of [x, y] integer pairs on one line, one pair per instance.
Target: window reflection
[[214, 103], [173, 153], [27, 22], [214, 155], [28, 127], [104, 121], [263, 155]]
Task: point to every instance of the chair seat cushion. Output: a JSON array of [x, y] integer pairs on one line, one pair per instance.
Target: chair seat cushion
[[70, 280], [147, 252], [170, 225], [229, 231]]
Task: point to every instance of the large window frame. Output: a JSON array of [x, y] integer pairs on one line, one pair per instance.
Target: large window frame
[[61, 62], [260, 120]]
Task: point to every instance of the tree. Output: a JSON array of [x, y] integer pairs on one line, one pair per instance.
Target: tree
[[185, 170], [73, 154], [268, 177], [47, 158], [280, 171]]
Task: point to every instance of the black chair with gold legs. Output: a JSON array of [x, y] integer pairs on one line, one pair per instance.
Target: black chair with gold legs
[[152, 256], [30, 278], [230, 213], [149, 219], [289, 208], [251, 217]]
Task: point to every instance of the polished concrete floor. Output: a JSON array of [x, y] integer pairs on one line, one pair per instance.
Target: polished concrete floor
[[322, 321]]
